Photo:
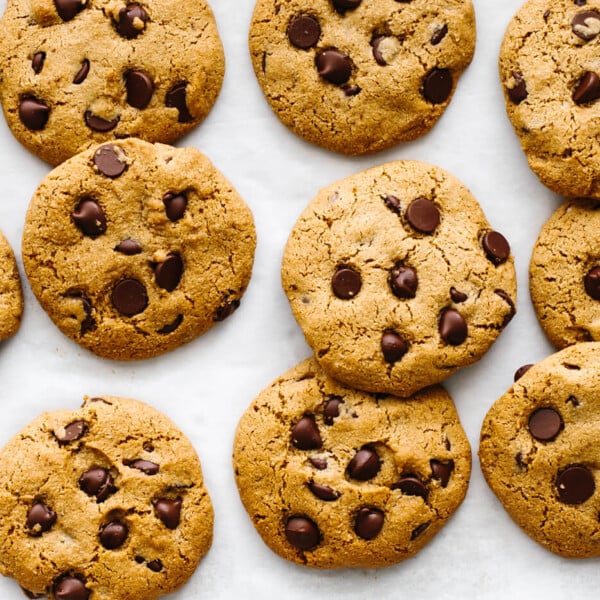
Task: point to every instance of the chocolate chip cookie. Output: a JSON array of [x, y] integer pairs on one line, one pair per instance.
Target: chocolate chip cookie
[[551, 81], [397, 279], [333, 477], [359, 76], [11, 296], [539, 451], [74, 73], [564, 274], [135, 248], [103, 502]]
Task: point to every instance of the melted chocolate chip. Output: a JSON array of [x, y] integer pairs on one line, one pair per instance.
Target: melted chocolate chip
[[175, 205], [545, 424], [453, 327], [37, 62], [513, 310], [89, 218], [417, 531], [168, 273], [588, 88], [32, 595], [110, 161], [575, 484], [113, 535], [438, 35], [423, 215], [305, 434], [518, 92], [97, 482], [368, 523], [81, 75], [457, 296], [323, 492], [129, 297], [346, 283], [68, 9], [155, 565], [351, 90], [88, 322], [145, 466], [318, 463], [377, 55], [33, 113], [302, 533], [304, 31], [392, 203], [586, 24], [70, 588], [580, 2], [334, 66], [441, 470], [72, 432], [496, 247], [411, 486], [172, 326], [521, 371], [591, 283], [393, 347], [226, 309], [437, 85], [364, 465], [132, 21], [128, 247], [98, 123], [343, 5], [404, 281], [332, 410], [139, 88], [176, 98], [168, 511], [40, 518]]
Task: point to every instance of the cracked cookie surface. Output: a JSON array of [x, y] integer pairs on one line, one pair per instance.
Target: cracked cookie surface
[[360, 76], [333, 477], [397, 279], [11, 296], [564, 274], [103, 502], [135, 248], [74, 73], [551, 80], [539, 451]]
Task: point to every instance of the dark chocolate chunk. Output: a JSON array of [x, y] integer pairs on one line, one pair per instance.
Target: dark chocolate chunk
[[545, 424], [132, 21], [176, 98], [496, 247], [97, 482], [392, 203], [155, 565], [70, 588], [40, 518], [404, 281], [393, 347], [457, 296], [302, 533], [73, 431], [417, 531], [334, 66], [305, 434], [304, 31], [98, 123], [368, 523], [439, 34], [332, 410], [453, 327], [89, 218], [109, 161], [175, 205], [83, 72], [145, 466], [113, 535], [172, 326], [168, 273], [323, 492], [423, 215], [318, 463], [68, 9], [588, 88], [518, 92], [139, 88], [441, 470], [227, 309], [128, 247], [343, 5], [139, 559], [521, 371], [37, 62], [346, 282], [129, 297], [575, 484], [586, 24], [437, 85], [591, 283], [33, 113], [411, 486], [168, 511], [365, 464]]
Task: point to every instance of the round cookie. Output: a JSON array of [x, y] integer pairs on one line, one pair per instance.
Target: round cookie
[[551, 79], [103, 502], [333, 477], [397, 279], [360, 76], [11, 296], [134, 248], [74, 73], [564, 274], [539, 451]]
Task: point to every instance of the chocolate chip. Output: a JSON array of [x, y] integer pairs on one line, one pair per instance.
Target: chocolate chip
[[586, 24], [139, 559], [172, 326], [73, 431], [323, 492], [575, 484], [437, 85], [139, 88], [393, 347], [411, 486], [68, 9], [33, 113], [441, 470], [97, 482], [37, 62], [518, 92], [128, 247], [89, 218], [417, 531], [572, 400], [33, 595], [343, 5], [457, 296], [88, 323], [175, 205], [588, 88], [591, 283], [546, 14], [392, 203], [305, 434], [129, 297], [332, 410], [521, 371], [168, 273], [453, 327], [423, 215], [404, 281], [368, 523], [496, 247], [132, 21], [304, 31], [176, 98], [334, 66], [346, 282], [351, 90], [70, 588], [545, 424], [377, 55], [580, 2], [513, 310], [113, 535], [318, 463], [110, 161], [439, 34], [40, 518], [226, 309], [145, 466], [155, 565], [364, 465], [98, 123], [168, 511], [302, 533], [82, 73]]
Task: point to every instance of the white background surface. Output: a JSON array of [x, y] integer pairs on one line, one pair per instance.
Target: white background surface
[[205, 386]]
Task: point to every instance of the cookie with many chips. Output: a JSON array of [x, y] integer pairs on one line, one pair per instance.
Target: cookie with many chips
[[11, 296]]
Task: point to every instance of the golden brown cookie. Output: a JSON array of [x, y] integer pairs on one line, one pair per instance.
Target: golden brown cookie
[[397, 279], [106, 502], [359, 76], [11, 296], [539, 451], [74, 73], [135, 248]]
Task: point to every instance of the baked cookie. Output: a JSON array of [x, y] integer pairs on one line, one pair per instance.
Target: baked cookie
[[551, 79], [11, 296], [135, 248], [564, 274], [106, 502], [396, 278], [359, 76], [74, 73], [539, 451], [333, 477]]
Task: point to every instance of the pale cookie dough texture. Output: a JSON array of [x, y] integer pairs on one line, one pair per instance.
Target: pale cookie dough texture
[[135, 248], [397, 279], [106, 502], [551, 79], [332, 477], [74, 73], [359, 76], [564, 274], [11, 296], [539, 451]]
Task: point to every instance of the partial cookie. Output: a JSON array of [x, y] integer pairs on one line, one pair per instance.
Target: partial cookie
[[332, 477], [564, 274], [134, 249], [551, 79], [359, 76], [11, 296], [540, 455], [74, 73], [106, 502], [397, 279]]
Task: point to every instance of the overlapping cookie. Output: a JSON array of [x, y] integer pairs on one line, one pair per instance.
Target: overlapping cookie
[[11, 296], [332, 477], [104, 502], [357, 76], [397, 279], [135, 248], [551, 79], [539, 451], [74, 73]]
